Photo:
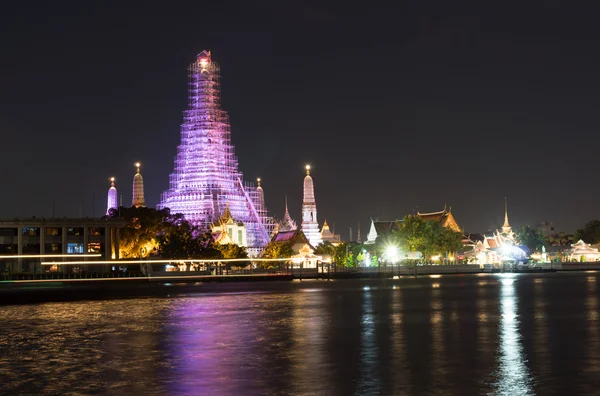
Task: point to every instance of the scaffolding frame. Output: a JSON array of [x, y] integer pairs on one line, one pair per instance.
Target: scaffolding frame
[[206, 177]]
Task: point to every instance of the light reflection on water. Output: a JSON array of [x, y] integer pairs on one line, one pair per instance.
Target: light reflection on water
[[514, 378], [506, 335]]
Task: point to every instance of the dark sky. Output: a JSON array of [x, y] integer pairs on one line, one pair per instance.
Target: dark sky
[[417, 105]]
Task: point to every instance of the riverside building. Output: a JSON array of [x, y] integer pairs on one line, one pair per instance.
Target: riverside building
[[33, 236]]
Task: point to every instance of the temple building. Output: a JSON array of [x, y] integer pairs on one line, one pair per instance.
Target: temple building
[[310, 225], [304, 252], [229, 231], [444, 217], [583, 252], [287, 223], [138, 189], [328, 236], [206, 178], [111, 200], [499, 247]]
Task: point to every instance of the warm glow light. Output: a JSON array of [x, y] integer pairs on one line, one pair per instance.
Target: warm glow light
[[391, 254], [51, 255], [112, 179], [307, 167], [435, 276], [134, 278], [435, 258], [154, 261], [138, 164]]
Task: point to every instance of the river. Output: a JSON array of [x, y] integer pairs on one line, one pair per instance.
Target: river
[[508, 334]]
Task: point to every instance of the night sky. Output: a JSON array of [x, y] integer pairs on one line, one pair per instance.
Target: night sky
[[397, 109]]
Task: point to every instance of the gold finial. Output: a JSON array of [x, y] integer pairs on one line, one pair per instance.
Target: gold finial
[[258, 180], [307, 169], [112, 181], [137, 165]]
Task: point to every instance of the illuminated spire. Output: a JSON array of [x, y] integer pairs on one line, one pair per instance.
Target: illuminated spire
[[111, 202], [206, 175], [310, 225], [287, 224], [138, 188], [506, 228]]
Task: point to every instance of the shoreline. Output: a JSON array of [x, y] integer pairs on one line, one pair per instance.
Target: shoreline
[[23, 292]]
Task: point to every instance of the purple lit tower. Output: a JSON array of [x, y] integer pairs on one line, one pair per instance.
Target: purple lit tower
[[111, 200], [206, 178]]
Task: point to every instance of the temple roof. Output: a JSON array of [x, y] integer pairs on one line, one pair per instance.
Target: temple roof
[[325, 231], [295, 236], [226, 216], [444, 217], [287, 223], [384, 227]]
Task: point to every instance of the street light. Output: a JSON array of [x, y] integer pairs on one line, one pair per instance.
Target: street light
[[391, 254]]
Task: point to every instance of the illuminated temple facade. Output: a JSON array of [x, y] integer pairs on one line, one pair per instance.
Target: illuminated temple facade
[[206, 179], [111, 199], [444, 217], [310, 225]]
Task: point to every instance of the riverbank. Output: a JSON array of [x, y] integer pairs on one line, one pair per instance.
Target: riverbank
[[72, 288], [54, 290]]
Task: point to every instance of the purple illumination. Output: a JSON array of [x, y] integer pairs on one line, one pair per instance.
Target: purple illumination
[[206, 178], [111, 201]]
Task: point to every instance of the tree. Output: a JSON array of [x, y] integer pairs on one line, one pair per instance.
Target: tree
[[325, 248], [232, 251], [340, 254], [530, 237], [414, 234], [560, 239], [139, 236], [276, 250], [590, 233]]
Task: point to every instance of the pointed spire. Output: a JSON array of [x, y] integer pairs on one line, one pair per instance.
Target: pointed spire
[[287, 223], [506, 228], [138, 188], [111, 201], [307, 170], [258, 181], [226, 216]]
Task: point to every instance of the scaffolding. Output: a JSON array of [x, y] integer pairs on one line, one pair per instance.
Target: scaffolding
[[206, 178]]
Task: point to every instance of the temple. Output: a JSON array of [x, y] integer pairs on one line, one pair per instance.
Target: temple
[[111, 200], [229, 231], [206, 179], [310, 225], [287, 223], [444, 217], [138, 189], [328, 236], [583, 252], [304, 252], [499, 247]]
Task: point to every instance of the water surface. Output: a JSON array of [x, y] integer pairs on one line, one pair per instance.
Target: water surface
[[462, 335]]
